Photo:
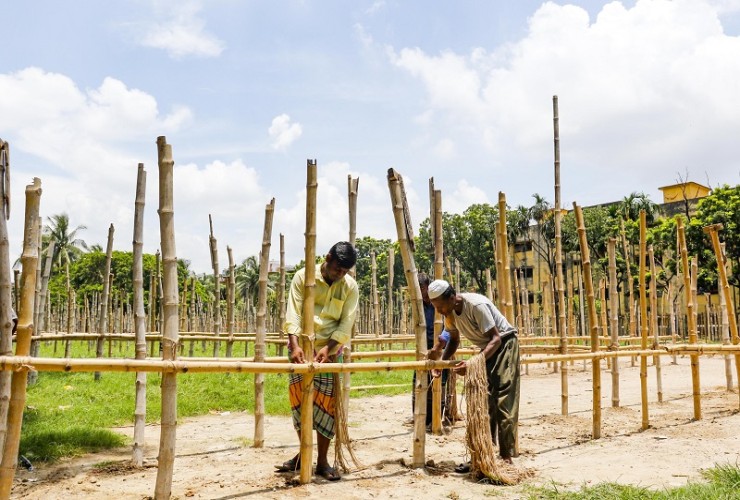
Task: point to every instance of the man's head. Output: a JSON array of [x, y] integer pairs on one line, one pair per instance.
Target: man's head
[[424, 285], [341, 258], [442, 295]]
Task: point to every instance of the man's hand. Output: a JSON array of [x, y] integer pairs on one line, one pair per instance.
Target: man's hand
[[296, 355], [461, 368], [323, 355], [436, 372]]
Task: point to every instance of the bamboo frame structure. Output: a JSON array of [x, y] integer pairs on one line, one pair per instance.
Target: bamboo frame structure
[[230, 302], [103, 323], [405, 240], [503, 245], [29, 262], [592, 320], [139, 317], [259, 344], [353, 186], [170, 322], [643, 323], [690, 316], [713, 231], [213, 247], [307, 327], [435, 223]]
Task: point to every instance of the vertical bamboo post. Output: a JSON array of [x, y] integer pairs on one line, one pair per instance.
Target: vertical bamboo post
[[170, 301], [690, 316], [592, 321], [389, 293], [643, 322], [259, 343], [6, 295], [139, 317], [725, 327], [230, 303], [281, 293], [437, 238], [506, 265], [559, 286], [374, 295], [602, 316], [352, 190], [489, 285], [613, 317], [406, 241], [29, 261], [213, 245], [654, 322], [730, 305], [307, 331], [103, 320]]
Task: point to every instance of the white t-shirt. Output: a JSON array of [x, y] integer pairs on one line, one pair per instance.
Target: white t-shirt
[[478, 316]]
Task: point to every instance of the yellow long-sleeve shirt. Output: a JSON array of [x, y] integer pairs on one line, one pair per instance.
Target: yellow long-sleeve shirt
[[335, 308]]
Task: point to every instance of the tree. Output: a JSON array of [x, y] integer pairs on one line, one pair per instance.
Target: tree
[[68, 246]]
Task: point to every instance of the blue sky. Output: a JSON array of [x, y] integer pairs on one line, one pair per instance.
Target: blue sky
[[246, 91]]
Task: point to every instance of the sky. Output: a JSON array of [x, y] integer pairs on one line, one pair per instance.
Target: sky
[[247, 91]]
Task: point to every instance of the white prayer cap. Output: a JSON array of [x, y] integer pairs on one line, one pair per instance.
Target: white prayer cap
[[437, 288]]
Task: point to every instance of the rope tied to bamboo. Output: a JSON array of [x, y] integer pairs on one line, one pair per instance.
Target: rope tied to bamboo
[[24, 367], [478, 438]]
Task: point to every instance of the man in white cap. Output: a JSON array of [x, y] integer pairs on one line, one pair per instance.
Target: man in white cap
[[480, 322]]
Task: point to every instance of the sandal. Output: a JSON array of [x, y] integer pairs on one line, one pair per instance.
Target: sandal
[[291, 465], [463, 468], [328, 472]]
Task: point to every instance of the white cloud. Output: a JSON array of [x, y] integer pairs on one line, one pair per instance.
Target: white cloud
[[445, 149], [463, 196], [181, 32], [283, 132], [375, 7], [644, 92]]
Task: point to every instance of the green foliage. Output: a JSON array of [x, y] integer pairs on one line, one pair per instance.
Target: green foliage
[[723, 481]]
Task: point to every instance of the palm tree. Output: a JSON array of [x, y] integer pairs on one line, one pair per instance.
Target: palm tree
[[68, 247], [631, 205]]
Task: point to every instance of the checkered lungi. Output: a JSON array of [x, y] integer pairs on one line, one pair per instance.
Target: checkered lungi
[[324, 400]]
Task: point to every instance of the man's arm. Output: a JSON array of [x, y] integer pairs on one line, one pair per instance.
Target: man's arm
[[493, 345], [293, 319]]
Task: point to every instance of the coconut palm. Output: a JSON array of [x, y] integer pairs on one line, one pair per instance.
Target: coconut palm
[[68, 246]]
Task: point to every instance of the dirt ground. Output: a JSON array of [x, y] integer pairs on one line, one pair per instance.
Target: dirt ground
[[213, 460]]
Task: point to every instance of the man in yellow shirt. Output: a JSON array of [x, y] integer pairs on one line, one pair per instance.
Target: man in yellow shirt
[[335, 304]]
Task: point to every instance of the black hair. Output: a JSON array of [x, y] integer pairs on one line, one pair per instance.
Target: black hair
[[423, 279], [344, 253]]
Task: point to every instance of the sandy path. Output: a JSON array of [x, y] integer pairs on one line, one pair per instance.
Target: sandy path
[[213, 460]]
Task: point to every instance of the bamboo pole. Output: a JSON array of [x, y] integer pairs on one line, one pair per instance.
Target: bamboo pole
[[592, 320], [643, 321], [374, 294], [29, 262], [6, 301], [405, 239], [281, 292], [139, 317], [713, 230], [437, 238], [654, 322], [103, 320], [613, 317], [213, 245], [389, 292], [170, 302], [559, 285], [259, 344], [307, 316], [230, 303], [695, 382], [504, 249]]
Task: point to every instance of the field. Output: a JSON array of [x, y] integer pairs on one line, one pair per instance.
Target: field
[[215, 460]]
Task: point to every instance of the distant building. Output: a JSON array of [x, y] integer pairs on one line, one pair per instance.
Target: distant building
[[682, 198]]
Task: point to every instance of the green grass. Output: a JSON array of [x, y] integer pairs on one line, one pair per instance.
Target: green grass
[[721, 482], [70, 414]]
